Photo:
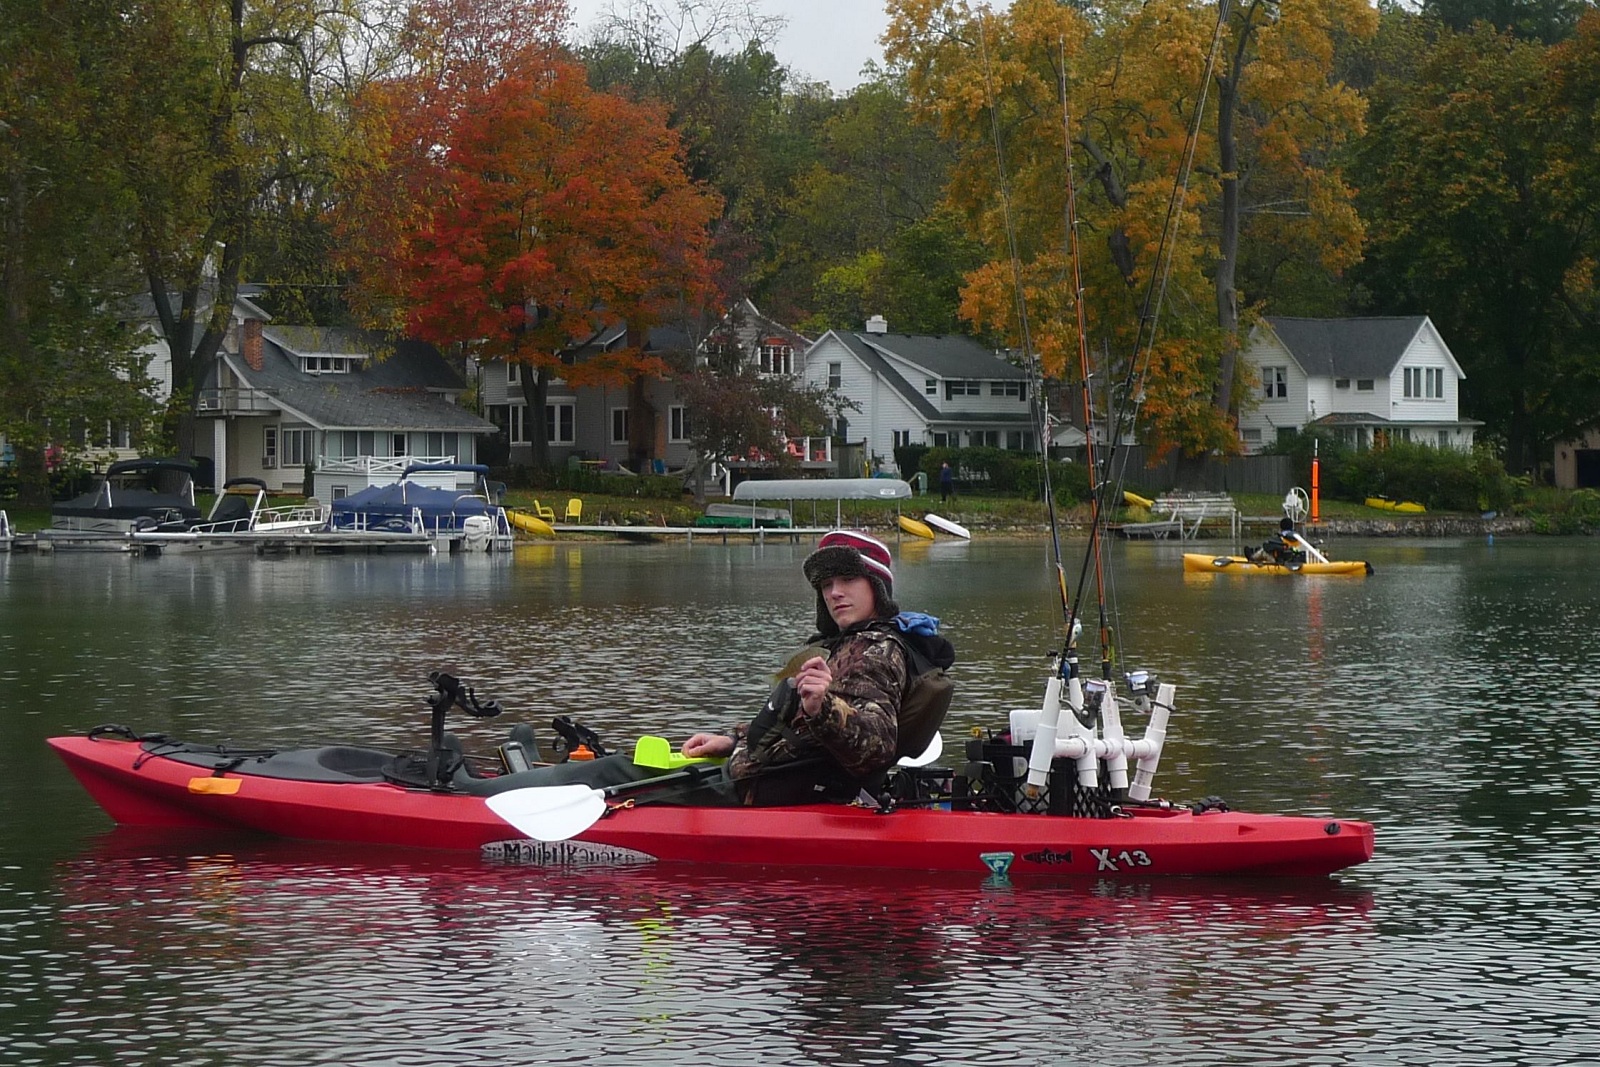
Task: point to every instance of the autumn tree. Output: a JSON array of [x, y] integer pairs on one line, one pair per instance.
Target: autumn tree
[[1264, 174], [205, 105], [525, 211], [68, 363]]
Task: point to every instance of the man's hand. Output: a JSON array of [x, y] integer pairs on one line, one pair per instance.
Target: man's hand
[[811, 681], [708, 745]]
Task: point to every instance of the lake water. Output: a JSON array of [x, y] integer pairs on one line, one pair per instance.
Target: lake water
[[1450, 698]]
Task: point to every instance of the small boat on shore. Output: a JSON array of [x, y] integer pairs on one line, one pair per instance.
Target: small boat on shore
[[1405, 507], [914, 527], [984, 819], [944, 525]]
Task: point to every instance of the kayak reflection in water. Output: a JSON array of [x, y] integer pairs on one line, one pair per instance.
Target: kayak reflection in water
[[869, 688]]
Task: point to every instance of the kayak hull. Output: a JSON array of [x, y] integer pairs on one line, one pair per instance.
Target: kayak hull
[[1195, 562], [137, 787], [944, 525], [915, 527]]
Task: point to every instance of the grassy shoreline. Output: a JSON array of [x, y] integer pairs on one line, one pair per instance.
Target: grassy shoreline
[[993, 515]]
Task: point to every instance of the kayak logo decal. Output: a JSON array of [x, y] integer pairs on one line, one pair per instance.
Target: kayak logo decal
[[1125, 860], [523, 852], [999, 863], [1049, 857]]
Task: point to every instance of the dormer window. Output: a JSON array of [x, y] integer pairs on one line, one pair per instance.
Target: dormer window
[[776, 356], [321, 364]]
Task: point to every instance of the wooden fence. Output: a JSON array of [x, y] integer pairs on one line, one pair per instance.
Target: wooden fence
[[1273, 475]]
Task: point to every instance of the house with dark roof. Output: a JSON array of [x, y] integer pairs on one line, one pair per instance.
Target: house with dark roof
[[352, 408], [943, 391], [1369, 380], [594, 424]]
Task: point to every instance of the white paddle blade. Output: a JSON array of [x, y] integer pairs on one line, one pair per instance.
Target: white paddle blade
[[550, 813], [934, 750]]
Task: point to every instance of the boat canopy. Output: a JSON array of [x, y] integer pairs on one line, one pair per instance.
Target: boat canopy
[[431, 468], [391, 506], [823, 489]]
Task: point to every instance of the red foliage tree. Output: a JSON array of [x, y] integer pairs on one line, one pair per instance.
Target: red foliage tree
[[506, 206]]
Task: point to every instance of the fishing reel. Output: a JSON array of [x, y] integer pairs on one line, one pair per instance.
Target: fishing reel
[[1142, 687]]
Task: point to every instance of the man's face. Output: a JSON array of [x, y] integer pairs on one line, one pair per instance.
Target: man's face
[[849, 600]]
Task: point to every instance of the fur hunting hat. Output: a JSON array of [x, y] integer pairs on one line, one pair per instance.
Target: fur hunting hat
[[849, 554]]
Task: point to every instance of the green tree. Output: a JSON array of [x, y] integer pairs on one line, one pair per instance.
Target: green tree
[[1479, 185], [68, 365], [206, 107]]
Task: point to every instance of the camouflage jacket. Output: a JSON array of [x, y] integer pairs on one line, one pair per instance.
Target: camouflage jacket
[[847, 743]]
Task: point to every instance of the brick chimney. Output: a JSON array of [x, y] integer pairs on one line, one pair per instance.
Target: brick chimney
[[250, 347]]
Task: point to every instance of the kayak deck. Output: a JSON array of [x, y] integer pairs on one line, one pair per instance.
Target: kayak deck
[[137, 787]]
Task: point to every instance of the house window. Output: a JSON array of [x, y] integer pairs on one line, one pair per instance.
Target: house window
[[513, 374], [1363, 385], [941, 440], [962, 388], [983, 438], [397, 445], [1433, 383], [1251, 436], [1341, 383], [1275, 383], [269, 447], [1444, 438], [1413, 386], [677, 423], [1019, 440], [835, 375], [776, 357], [559, 419], [619, 426], [295, 445], [930, 387], [902, 438], [517, 424], [327, 364], [1016, 389]]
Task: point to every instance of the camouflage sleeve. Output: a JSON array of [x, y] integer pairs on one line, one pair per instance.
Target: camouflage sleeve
[[858, 723]]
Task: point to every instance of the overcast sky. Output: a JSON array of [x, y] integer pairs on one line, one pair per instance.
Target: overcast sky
[[826, 40]]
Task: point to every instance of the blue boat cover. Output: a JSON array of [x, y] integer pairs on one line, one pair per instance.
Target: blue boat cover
[[388, 507]]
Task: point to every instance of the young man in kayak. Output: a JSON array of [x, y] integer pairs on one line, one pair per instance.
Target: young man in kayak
[[832, 728], [839, 731]]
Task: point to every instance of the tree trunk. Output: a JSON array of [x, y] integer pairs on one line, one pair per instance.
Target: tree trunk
[[1228, 233], [536, 394], [33, 479]]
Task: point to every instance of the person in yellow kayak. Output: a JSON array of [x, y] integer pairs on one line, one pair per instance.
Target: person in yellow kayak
[[1281, 548]]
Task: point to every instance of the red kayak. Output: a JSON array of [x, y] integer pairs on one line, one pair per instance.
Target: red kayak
[[341, 793]]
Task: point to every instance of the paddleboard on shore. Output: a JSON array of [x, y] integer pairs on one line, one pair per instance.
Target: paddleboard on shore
[[915, 528], [946, 526]]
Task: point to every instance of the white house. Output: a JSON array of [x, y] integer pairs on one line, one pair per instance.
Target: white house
[[944, 391], [1367, 379]]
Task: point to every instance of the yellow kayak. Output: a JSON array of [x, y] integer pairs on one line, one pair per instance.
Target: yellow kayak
[[529, 523], [1134, 500], [1195, 562], [1386, 504], [915, 527]]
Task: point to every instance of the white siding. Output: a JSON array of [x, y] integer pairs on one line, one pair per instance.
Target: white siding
[[1426, 353], [882, 409], [1264, 350]]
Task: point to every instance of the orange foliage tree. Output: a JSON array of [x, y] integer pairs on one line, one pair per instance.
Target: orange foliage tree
[[503, 205]]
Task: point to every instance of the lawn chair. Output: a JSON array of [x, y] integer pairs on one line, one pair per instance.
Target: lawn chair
[[547, 514], [574, 510]]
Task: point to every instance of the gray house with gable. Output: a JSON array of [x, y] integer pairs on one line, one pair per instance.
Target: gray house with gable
[[943, 391]]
